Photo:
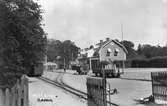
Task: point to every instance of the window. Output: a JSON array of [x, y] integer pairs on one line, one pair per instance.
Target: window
[[108, 52], [116, 51]]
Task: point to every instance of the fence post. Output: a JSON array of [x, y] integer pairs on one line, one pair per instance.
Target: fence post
[[104, 86], [7, 97], [2, 97], [96, 92]]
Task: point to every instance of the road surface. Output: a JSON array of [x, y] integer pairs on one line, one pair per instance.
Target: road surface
[[44, 94], [129, 86]]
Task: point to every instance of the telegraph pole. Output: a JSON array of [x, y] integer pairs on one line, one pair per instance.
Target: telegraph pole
[[122, 32], [64, 60], [123, 64]]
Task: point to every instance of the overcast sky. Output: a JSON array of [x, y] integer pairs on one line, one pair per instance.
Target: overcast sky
[[87, 21]]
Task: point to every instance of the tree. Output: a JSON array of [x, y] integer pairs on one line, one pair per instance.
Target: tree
[[22, 37], [61, 51], [128, 44], [53, 49], [150, 51], [69, 51], [139, 49], [130, 48]]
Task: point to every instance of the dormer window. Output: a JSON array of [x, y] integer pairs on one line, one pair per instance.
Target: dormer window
[[108, 52], [116, 51]]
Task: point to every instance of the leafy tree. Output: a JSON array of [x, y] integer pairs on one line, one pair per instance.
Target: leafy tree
[[128, 44], [139, 49], [130, 48], [22, 37], [53, 49], [61, 51], [70, 51], [150, 51]]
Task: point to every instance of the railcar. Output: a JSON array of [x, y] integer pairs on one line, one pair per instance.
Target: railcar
[[36, 70]]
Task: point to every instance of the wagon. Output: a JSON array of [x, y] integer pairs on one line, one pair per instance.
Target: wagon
[[81, 66], [110, 69]]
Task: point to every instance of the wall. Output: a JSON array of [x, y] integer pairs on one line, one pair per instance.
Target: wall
[[103, 51], [16, 95]]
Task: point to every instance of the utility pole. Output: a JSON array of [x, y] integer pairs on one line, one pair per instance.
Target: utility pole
[[90, 63], [64, 60], [122, 32], [64, 64], [123, 64]]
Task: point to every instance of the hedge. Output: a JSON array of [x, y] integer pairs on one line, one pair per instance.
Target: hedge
[[156, 62]]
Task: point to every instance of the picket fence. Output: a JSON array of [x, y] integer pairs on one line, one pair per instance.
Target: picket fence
[[159, 87], [15, 96]]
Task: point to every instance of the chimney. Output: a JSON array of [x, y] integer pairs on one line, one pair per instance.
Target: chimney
[[107, 39]]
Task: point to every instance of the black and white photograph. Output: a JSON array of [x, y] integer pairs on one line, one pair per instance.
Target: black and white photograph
[[83, 52]]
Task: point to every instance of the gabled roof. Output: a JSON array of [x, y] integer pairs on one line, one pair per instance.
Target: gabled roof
[[95, 52], [116, 42]]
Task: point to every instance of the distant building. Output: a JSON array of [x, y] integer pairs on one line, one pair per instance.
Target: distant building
[[50, 66], [110, 54], [109, 50]]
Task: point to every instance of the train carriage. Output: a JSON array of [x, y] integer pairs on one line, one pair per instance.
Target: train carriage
[[36, 70]]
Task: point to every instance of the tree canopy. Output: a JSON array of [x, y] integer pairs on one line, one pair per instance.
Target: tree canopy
[[22, 38], [61, 51], [144, 51], [150, 51]]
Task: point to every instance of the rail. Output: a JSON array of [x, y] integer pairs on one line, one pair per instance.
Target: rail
[[66, 88], [59, 83]]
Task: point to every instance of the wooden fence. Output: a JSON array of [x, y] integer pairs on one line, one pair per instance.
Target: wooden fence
[[159, 87], [96, 89], [15, 96]]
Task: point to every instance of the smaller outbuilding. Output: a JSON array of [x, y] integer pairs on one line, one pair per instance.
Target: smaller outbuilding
[[50, 66]]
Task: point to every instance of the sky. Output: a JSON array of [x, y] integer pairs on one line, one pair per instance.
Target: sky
[[86, 22]]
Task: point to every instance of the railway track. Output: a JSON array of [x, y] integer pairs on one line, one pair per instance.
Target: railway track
[[59, 83]]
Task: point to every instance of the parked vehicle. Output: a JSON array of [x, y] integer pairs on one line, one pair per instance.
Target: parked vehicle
[[110, 69], [36, 70], [80, 67]]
